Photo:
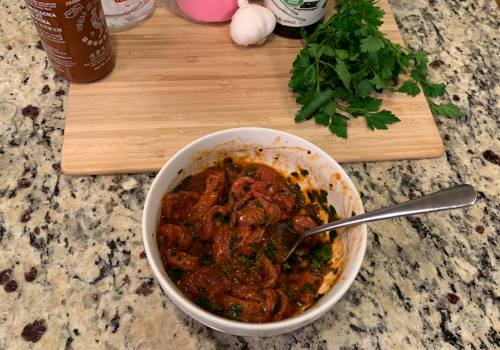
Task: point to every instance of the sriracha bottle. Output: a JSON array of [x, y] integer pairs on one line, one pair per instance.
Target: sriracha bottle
[[75, 37]]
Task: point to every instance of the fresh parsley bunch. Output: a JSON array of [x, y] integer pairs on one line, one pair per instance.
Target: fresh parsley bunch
[[347, 58]]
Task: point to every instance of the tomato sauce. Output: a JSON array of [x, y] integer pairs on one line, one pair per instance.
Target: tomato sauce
[[218, 241]]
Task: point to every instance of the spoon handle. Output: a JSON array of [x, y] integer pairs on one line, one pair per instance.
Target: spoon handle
[[451, 198]]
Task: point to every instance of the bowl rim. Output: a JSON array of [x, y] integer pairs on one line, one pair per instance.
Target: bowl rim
[[221, 323]]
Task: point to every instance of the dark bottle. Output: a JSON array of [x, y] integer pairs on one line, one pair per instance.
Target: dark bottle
[[293, 15]]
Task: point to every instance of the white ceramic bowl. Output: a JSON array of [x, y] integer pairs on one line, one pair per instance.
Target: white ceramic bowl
[[282, 151]]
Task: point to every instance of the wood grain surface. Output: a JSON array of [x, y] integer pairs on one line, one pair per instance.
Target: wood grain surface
[[175, 81]]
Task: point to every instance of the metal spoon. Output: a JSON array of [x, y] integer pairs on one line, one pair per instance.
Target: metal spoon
[[451, 198]]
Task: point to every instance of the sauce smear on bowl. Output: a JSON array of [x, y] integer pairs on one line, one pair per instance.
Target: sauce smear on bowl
[[218, 241]]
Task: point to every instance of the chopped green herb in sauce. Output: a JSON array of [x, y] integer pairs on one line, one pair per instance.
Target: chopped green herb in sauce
[[323, 197], [270, 251], [320, 256], [185, 183], [250, 171], [308, 288], [246, 260], [225, 219], [332, 213], [176, 274], [235, 310], [204, 303]]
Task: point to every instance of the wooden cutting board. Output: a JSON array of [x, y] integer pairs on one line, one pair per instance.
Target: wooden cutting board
[[175, 81]]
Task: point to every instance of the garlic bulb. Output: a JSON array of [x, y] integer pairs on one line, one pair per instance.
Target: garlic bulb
[[251, 24]]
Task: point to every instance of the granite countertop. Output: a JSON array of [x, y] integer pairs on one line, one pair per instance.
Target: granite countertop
[[72, 266]]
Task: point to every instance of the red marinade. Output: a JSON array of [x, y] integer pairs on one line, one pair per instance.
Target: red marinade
[[219, 245]]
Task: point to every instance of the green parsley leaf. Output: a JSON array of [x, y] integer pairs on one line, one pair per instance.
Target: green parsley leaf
[[304, 75], [320, 98], [421, 59], [315, 50], [341, 54], [419, 75], [368, 104], [447, 110], [409, 87], [434, 90], [371, 44], [372, 15], [306, 98], [338, 125], [364, 88], [372, 104], [322, 118], [330, 108], [380, 120], [343, 72], [378, 82]]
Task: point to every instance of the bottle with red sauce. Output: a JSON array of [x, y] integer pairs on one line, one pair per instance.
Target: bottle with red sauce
[[75, 37]]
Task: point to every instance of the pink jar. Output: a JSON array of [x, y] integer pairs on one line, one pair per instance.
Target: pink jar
[[208, 10]]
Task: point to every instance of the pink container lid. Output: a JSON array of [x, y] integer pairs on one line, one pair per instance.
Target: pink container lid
[[209, 10]]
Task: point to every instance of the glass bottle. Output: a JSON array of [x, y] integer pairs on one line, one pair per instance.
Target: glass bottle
[[123, 14], [75, 37], [293, 15]]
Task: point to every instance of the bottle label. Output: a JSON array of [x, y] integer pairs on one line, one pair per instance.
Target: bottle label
[[297, 13], [74, 35], [51, 32]]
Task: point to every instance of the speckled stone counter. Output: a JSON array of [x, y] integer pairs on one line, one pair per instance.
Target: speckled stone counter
[[73, 272]]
